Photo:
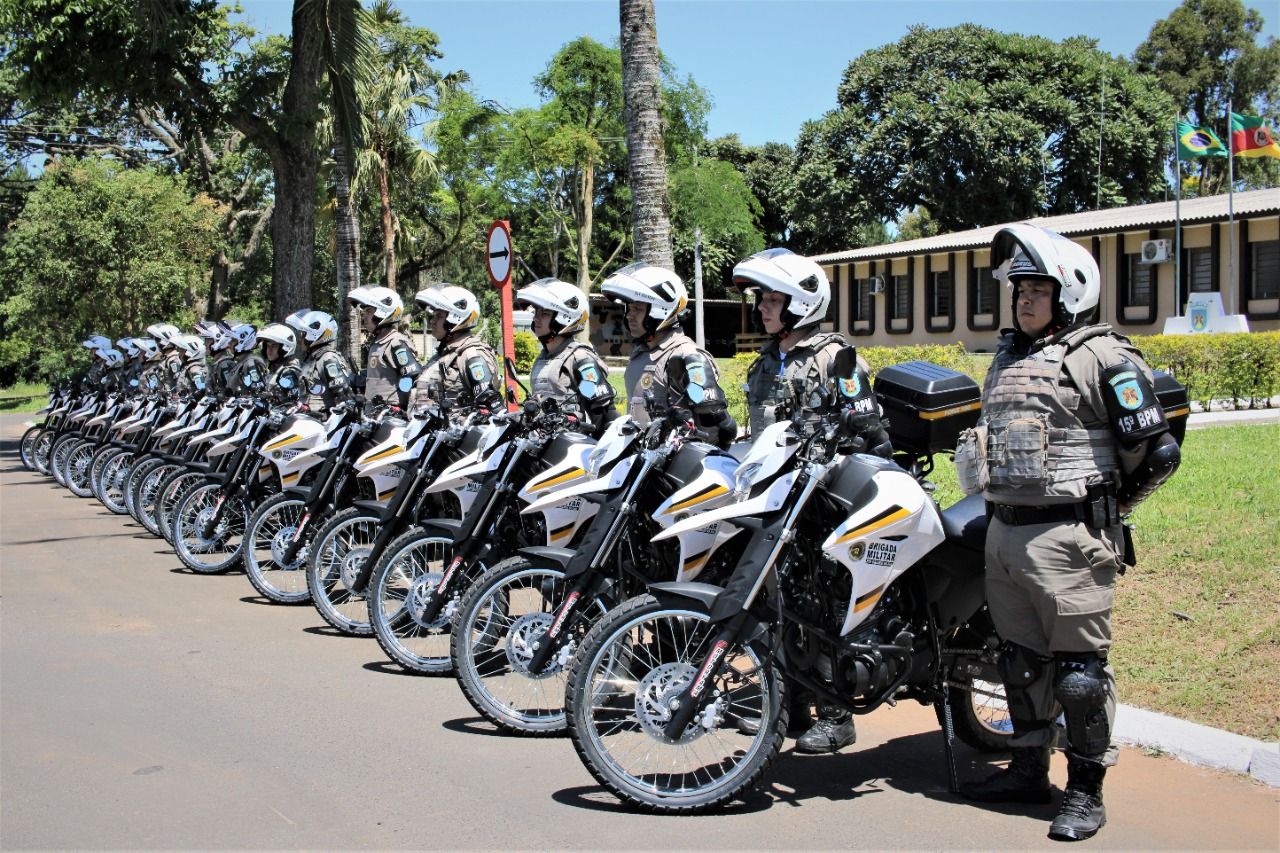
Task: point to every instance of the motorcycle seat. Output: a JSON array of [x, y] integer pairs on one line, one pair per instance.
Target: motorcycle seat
[[965, 522]]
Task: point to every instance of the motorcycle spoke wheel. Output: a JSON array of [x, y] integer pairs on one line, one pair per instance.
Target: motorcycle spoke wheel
[[26, 449], [502, 618], [40, 450], [172, 491], [270, 531], [58, 460], [80, 469], [413, 566], [115, 471], [630, 671], [217, 552], [338, 553], [147, 499], [979, 714]]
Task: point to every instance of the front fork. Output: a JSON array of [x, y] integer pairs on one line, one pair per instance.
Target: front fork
[[694, 699]]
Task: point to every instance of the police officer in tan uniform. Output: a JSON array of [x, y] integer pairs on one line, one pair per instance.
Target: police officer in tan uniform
[[1070, 439], [326, 374], [193, 377], [220, 347], [654, 299], [391, 364], [792, 296], [567, 370], [284, 383], [170, 359], [464, 370]]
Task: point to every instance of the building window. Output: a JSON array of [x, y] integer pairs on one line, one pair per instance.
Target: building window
[[986, 298], [1265, 263], [1199, 272], [860, 310], [1138, 288], [900, 301], [941, 292]]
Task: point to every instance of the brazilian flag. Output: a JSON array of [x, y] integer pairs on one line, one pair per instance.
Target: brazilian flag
[[1195, 142]]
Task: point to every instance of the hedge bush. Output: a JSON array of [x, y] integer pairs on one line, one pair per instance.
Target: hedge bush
[[1242, 367]]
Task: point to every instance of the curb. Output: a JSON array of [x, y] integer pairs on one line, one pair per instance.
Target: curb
[[1198, 744]]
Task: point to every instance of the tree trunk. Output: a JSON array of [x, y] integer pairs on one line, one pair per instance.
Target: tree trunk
[[218, 285], [347, 248], [646, 159], [388, 227]]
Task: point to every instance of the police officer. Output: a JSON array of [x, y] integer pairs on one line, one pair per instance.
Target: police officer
[[326, 373], [132, 372], [567, 370], [112, 379], [391, 365], [247, 376], [793, 295], [171, 360], [91, 379], [284, 377], [654, 299], [1071, 438], [464, 370], [193, 377], [152, 379], [220, 347]]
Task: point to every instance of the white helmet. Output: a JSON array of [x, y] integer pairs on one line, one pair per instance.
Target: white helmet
[[313, 326], [217, 335], [659, 288], [567, 302], [462, 311], [97, 343], [150, 349], [799, 279], [110, 357], [163, 333], [243, 335], [191, 347], [1022, 250], [279, 333], [385, 302], [129, 347]]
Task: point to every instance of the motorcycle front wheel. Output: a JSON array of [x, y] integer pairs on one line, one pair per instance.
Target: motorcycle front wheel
[[79, 468], [413, 566], [338, 552], [220, 549], [41, 449], [172, 491], [500, 622], [147, 495], [26, 448], [111, 481], [632, 666], [58, 458], [271, 530]]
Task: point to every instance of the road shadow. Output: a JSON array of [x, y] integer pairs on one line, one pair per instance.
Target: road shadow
[[330, 631], [912, 764], [386, 667], [69, 538], [475, 726]]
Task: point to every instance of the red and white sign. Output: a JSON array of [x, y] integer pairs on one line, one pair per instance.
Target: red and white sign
[[498, 252]]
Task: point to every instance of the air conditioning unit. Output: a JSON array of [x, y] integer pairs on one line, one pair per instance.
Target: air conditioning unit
[[877, 284], [1156, 251]]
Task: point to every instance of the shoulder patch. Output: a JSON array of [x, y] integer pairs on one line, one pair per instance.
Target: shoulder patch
[[588, 372], [1134, 411], [333, 370], [697, 372]]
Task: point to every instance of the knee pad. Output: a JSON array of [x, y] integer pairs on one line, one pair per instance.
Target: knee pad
[[1019, 668], [1080, 686]]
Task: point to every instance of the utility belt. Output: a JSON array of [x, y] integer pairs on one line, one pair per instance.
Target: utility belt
[[1099, 509]]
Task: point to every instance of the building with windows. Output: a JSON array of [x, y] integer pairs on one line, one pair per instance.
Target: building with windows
[[941, 290]]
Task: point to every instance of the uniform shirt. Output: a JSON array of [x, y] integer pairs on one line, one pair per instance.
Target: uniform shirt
[[220, 371], [390, 353], [327, 375], [647, 372], [248, 375], [464, 371], [284, 383], [192, 379]]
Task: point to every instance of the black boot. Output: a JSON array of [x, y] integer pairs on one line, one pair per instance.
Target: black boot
[[831, 733], [1082, 813], [1025, 780]]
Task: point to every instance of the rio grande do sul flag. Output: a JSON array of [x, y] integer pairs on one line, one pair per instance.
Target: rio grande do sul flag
[[1251, 138]]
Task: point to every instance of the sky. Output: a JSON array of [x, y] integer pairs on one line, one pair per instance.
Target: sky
[[769, 65]]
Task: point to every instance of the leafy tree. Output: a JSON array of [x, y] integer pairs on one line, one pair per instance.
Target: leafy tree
[[713, 196], [100, 249], [979, 127], [916, 224], [1208, 54]]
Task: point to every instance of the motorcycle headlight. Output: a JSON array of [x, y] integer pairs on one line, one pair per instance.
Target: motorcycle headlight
[[744, 479]]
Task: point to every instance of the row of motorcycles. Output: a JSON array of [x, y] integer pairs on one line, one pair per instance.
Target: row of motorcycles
[[646, 593]]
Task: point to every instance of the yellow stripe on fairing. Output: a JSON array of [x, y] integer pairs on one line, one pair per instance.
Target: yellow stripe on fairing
[[555, 481], [865, 601], [382, 496], [384, 454], [875, 525], [706, 495], [287, 440]]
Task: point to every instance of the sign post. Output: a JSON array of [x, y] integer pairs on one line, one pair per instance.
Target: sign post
[[498, 258]]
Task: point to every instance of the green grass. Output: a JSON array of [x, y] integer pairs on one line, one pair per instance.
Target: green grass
[[1197, 622], [23, 404]]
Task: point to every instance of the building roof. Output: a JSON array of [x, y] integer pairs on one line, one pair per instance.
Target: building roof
[[1134, 218]]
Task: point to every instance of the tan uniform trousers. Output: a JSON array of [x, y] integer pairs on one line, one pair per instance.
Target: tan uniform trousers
[[1050, 588]]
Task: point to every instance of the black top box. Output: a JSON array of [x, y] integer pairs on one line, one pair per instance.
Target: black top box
[[926, 405], [1173, 398]]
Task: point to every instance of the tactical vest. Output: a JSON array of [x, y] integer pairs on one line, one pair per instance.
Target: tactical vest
[[442, 377], [193, 379], [382, 376], [647, 371], [770, 376], [247, 375], [220, 375], [316, 375], [1038, 449], [552, 377], [284, 384]]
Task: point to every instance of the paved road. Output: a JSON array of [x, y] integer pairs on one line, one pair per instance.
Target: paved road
[[145, 707]]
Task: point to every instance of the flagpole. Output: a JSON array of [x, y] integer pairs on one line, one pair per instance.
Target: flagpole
[[1231, 219], [1102, 117], [1177, 224]]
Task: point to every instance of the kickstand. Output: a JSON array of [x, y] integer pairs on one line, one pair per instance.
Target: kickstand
[[949, 742]]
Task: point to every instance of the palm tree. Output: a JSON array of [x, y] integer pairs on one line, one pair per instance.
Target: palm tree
[[642, 94]]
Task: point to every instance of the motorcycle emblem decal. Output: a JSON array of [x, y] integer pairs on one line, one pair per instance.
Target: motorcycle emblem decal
[[1129, 394]]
